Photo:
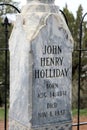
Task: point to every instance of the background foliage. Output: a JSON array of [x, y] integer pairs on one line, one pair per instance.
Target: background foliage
[[74, 26]]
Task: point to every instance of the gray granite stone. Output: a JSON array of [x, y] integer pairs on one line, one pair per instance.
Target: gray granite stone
[[52, 74], [40, 70]]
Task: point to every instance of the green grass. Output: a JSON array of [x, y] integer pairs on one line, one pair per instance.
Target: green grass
[[1, 114], [83, 112]]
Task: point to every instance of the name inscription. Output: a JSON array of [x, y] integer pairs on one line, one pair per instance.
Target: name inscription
[[51, 93], [50, 61], [52, 49]]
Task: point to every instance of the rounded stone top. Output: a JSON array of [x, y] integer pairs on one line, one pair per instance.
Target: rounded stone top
[[42, 1]]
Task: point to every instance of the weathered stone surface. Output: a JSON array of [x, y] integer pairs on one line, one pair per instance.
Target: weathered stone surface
[[40, 70], [52, 57], [43, 1], [17, 126]]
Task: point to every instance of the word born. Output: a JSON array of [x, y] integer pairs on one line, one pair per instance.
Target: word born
[[52, 86]]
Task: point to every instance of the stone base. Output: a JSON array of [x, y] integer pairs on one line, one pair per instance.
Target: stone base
[[14, 125], [67, 126]]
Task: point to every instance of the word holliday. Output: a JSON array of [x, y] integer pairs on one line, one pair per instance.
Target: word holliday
[[51, 62]]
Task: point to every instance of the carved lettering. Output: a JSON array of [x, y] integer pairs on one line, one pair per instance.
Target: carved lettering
[[48, 114], [51, 94], [51, 61], [42, 115], [51, 86], [51, 105], [52, 49], [42, 95], [51, 73], [57, 94]]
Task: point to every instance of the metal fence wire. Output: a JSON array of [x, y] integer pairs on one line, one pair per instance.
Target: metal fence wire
[[5, 50], [6, 31]]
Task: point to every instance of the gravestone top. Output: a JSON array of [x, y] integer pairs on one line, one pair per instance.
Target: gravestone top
[[42, 1]]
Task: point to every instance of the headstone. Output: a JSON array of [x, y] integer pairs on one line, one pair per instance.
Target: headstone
[[40, 69]]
